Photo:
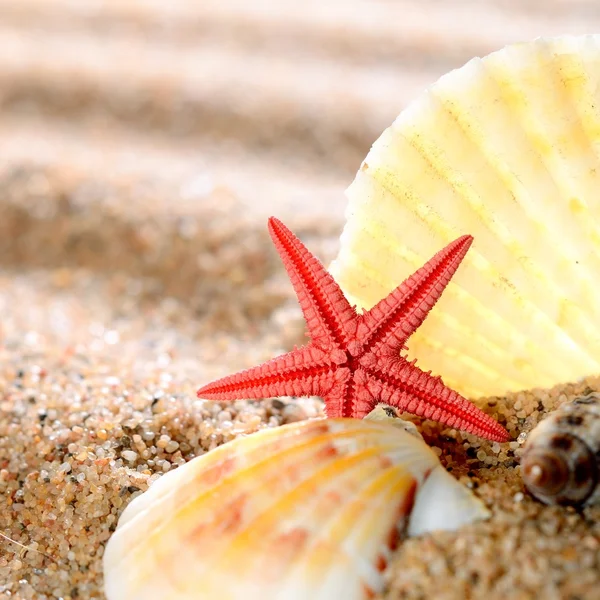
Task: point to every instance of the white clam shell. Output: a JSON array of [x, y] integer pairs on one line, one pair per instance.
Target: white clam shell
[[306, 510], [507, 149]]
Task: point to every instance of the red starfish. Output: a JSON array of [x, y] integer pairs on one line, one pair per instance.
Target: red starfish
[[353, 360]]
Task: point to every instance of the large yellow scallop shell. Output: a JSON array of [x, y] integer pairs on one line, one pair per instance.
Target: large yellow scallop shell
[[308, 510], [506, 149]]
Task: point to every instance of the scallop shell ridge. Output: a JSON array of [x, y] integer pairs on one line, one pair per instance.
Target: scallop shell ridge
[[507, 149], [307, 510]]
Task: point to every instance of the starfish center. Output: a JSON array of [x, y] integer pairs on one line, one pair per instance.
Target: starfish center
[[353, 360]]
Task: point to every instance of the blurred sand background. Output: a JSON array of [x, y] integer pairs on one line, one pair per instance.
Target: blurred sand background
[[142, 146]]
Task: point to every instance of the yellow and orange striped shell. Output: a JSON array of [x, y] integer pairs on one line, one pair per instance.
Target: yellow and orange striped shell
[[307, 510]]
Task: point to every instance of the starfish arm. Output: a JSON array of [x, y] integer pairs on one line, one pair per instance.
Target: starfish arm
[[305, 371], [392, 320], [330, 319], [352, 399], [406, 387], [339, 400]]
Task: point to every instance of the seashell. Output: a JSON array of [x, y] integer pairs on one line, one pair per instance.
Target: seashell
[[384, 413], [307, 510], [507, 149], [561, 460]]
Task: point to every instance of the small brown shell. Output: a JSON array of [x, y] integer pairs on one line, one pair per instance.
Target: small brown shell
[[561, 461]]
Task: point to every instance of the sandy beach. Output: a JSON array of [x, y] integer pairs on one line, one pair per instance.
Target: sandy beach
[[143, 147]]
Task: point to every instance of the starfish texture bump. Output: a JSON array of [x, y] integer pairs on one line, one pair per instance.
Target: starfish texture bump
[[353, 360]]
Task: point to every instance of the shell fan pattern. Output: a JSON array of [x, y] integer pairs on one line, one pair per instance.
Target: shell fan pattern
[[507, 149], [561, 460], [306, 510]]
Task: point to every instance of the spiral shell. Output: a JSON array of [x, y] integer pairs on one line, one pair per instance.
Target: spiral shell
[[307, 510], [561, 460]]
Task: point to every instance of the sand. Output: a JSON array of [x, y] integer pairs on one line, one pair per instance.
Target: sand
[[100, 357], [142, 149]]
